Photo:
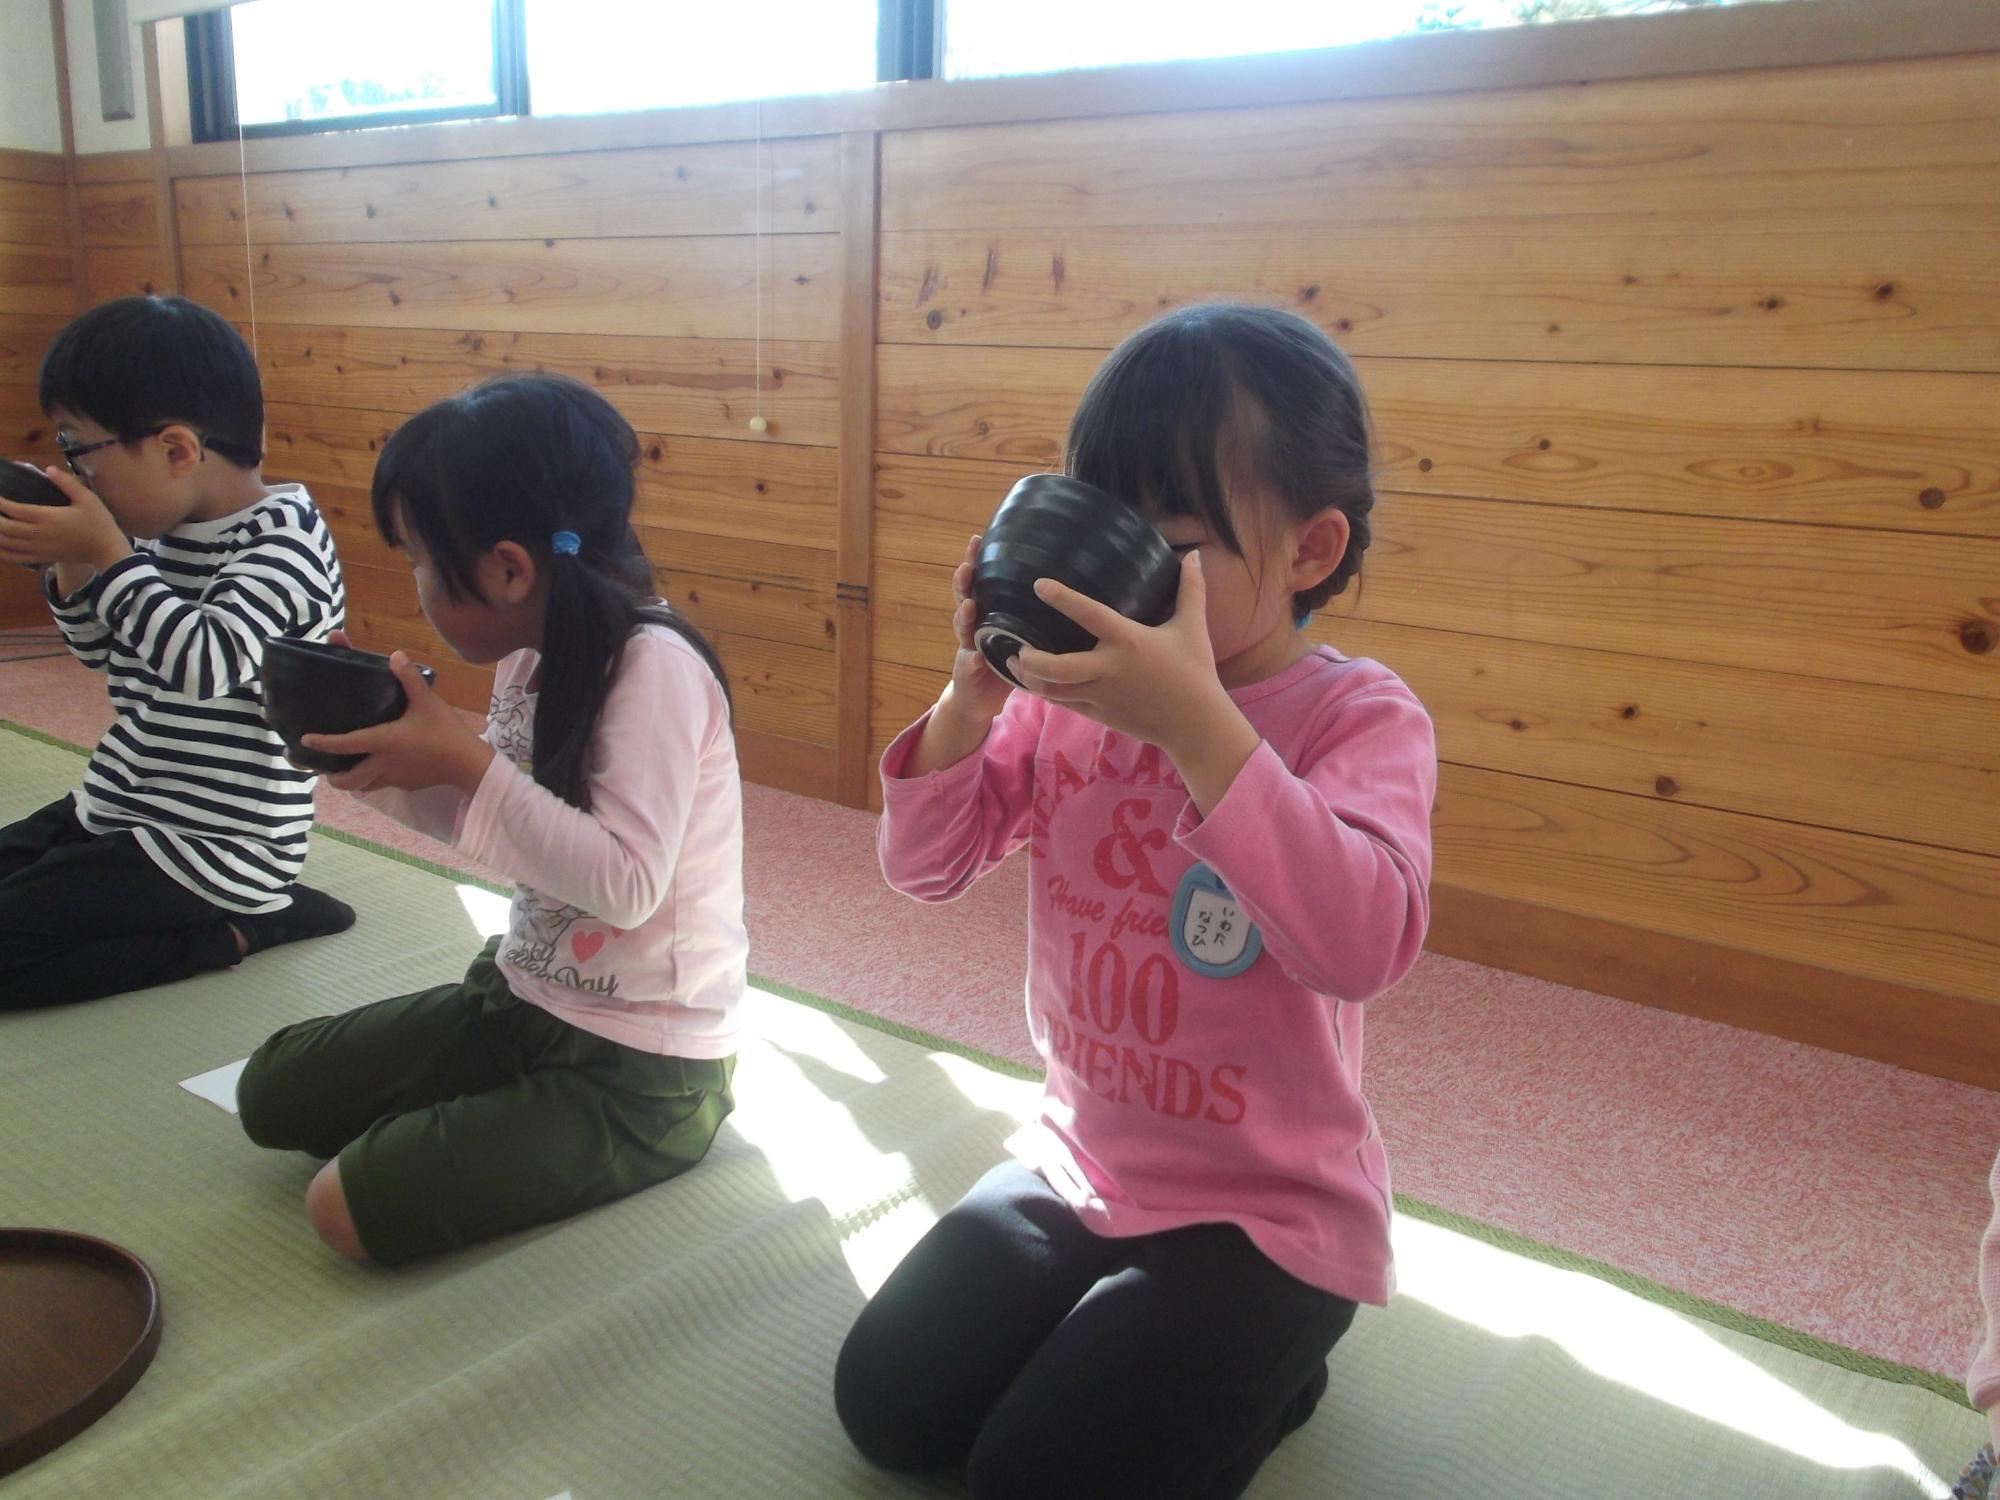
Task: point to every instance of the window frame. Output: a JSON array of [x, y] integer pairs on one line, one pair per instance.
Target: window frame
[[908, 38], [211, 60]]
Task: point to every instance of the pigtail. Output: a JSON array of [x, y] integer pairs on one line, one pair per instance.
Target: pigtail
[[595, 604]]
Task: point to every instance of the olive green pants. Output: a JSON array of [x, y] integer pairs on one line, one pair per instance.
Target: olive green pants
[[462, 1112]]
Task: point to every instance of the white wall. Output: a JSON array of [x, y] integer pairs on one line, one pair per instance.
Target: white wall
[[93, 131], [29, 120]]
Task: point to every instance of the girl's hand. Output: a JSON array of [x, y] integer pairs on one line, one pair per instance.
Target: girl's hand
[[428, 746], [81, 534], [977, 691], [1154, 683]]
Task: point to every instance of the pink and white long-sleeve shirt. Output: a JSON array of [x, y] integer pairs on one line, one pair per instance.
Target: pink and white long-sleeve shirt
[[1982, 1384], [1195, 985], [627, 919]]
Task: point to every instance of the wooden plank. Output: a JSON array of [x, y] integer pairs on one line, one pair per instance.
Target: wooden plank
[[735, 604], [17, 165], [1921, 767], [120, 213], [1917, 133], [927, 507], [1946, 1036], [806, 569], [23, 340], [1714, 40], [25, 433], [860, 159], [790, 765], [771, 492], [1696, 290], [698, 387], [1907, 451], [675, 190], [37, 278], [696, 287], [1853, 606], [21, 604], [1897, 912], [784, 690], [125, 271], [33, 212], [323, 445]]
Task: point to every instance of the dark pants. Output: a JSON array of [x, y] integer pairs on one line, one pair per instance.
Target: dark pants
[[86, 914], [1051, 1361], [462, 1112]]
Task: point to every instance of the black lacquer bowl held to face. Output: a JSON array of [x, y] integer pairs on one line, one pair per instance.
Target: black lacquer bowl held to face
[[1052, 526], [26, 486], [314, 688]]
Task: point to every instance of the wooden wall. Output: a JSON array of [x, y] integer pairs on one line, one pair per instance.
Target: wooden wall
[[38, 293], [1685, 389], [378, 290], [1689, 536]]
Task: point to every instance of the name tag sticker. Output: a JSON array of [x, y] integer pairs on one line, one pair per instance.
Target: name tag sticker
[[1210, 933]]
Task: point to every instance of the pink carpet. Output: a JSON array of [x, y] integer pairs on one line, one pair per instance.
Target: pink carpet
[[1840, 1197]]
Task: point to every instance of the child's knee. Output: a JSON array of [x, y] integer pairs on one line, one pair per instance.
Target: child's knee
[[882, 1413], [260, 1104], [326, 1206]]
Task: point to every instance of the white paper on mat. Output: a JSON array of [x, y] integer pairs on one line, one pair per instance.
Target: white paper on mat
[[217, 1085]]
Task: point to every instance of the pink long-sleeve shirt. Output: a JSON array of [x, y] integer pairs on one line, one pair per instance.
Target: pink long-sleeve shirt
[[1216, 1078], [627, 919], [1982, 1384]]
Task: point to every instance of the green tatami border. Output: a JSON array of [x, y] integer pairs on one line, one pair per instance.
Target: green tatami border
[[1685, 1303]]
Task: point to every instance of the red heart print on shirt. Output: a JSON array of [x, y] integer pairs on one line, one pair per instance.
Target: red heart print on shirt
[[585, 945]]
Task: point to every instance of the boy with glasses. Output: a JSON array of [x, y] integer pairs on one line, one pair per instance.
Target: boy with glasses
[[169, 568]]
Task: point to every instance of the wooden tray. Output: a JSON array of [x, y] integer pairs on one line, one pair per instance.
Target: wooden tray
[[79, 1321]]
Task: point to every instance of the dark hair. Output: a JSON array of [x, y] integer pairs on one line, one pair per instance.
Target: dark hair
[[1223, 392], [519, 458], [137, 363]]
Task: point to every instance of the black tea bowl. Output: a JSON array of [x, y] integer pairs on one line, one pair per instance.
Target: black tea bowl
[[1052, 526], [27, 486], [314, 688]]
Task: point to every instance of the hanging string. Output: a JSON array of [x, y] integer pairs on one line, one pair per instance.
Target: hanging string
[[249, 265], [757, 422]]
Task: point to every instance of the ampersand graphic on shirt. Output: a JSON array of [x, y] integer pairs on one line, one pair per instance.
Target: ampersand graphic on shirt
[[1120, 857]]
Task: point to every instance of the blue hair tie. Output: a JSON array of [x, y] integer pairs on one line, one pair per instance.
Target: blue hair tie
[[566, 544]]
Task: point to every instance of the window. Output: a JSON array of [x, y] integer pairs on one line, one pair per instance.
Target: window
[[587, 56], [989, 38], [287, 66]]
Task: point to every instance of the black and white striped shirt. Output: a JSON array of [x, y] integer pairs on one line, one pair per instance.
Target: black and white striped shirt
[[190, 767]]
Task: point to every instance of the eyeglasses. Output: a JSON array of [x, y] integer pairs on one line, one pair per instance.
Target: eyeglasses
[[71, 452]]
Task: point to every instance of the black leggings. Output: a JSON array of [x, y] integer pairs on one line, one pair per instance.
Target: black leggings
[[1051, 1361], [85, 914]]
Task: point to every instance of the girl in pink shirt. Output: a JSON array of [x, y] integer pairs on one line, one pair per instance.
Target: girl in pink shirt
[[1982, 1382], [588, 1052], [1229, 836]]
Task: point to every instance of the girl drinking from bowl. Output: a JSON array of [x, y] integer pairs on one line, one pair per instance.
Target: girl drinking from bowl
[[588, 1052], [1230, 834]]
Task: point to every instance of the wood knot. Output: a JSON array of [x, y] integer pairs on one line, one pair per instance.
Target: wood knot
[[1885, 291], [1543, 445], [1772, 304], [934, 320], [1666, 786], [1976, 636], [1629, 711], [1423, 466], [1931, 499], [1343, 325]]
